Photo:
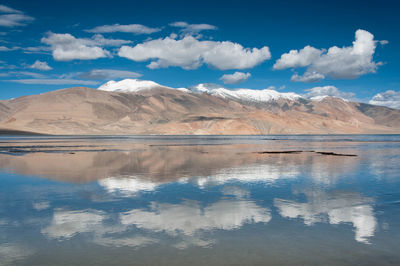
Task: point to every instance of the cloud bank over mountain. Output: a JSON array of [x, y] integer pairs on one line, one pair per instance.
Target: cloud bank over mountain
[[388, 98]]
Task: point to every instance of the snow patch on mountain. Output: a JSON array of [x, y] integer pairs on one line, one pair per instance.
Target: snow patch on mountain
[[250, 95], [130, 85], [320, 98]]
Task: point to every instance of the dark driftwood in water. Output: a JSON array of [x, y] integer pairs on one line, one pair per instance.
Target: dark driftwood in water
[[279, 152], [335, 154]]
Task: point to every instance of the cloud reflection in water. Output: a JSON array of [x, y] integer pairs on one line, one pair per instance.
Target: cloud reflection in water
[[334, 208]]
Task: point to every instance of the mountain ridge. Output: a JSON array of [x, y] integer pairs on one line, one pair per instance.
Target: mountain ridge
[[165, 110]]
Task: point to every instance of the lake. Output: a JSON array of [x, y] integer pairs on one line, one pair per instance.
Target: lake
[[200, 200]]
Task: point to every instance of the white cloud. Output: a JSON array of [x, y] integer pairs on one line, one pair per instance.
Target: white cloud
[[13, 17], [131, 28], [36, 50], [338, 207], [4, 49], [235, 78], [318, 92], [107, 74], [99, 40], [13, 20], [192, 28], [190, 53], [7, 49], [388, 98], [339, 63], [23, 73], [307, 77], [27, 50], [66, 47], [39, 65], [295, 58], [6, 9], [54, 81]]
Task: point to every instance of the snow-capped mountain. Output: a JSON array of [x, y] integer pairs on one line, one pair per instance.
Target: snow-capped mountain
[[129, 85], [247, 95], [134, 85], [145, 107]]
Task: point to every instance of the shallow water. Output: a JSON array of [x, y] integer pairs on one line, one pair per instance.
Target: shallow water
[[217, 200]]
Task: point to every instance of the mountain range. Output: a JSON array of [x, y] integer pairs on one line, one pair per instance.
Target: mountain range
[[133, 106]]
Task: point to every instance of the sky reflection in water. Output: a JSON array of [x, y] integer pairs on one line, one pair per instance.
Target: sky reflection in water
[[134, 195]]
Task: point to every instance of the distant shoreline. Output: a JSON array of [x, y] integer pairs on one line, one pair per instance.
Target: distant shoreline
[[12, 132], [20, 133]]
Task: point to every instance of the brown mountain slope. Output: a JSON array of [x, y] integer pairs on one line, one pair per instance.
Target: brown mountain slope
[[165, 111]]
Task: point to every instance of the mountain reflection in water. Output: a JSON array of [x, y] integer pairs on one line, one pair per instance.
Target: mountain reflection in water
[[152, 193]]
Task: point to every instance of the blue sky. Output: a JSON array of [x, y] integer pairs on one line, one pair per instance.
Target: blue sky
[[81, 43]]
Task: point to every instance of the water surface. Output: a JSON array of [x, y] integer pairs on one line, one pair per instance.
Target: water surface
[[216, 200]]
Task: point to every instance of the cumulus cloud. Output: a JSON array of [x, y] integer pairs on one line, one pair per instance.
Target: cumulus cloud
[[388, 98], [235, 78], [54, 81], [39, 65], [108, 74], [320, 92], [131, 28], [191, 53], [12, 17], [192, 28], [66, 47], [307, 77], [339, 63], [296, 58]]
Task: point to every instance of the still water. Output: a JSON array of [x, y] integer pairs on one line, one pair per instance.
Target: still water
[[217, 200]]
